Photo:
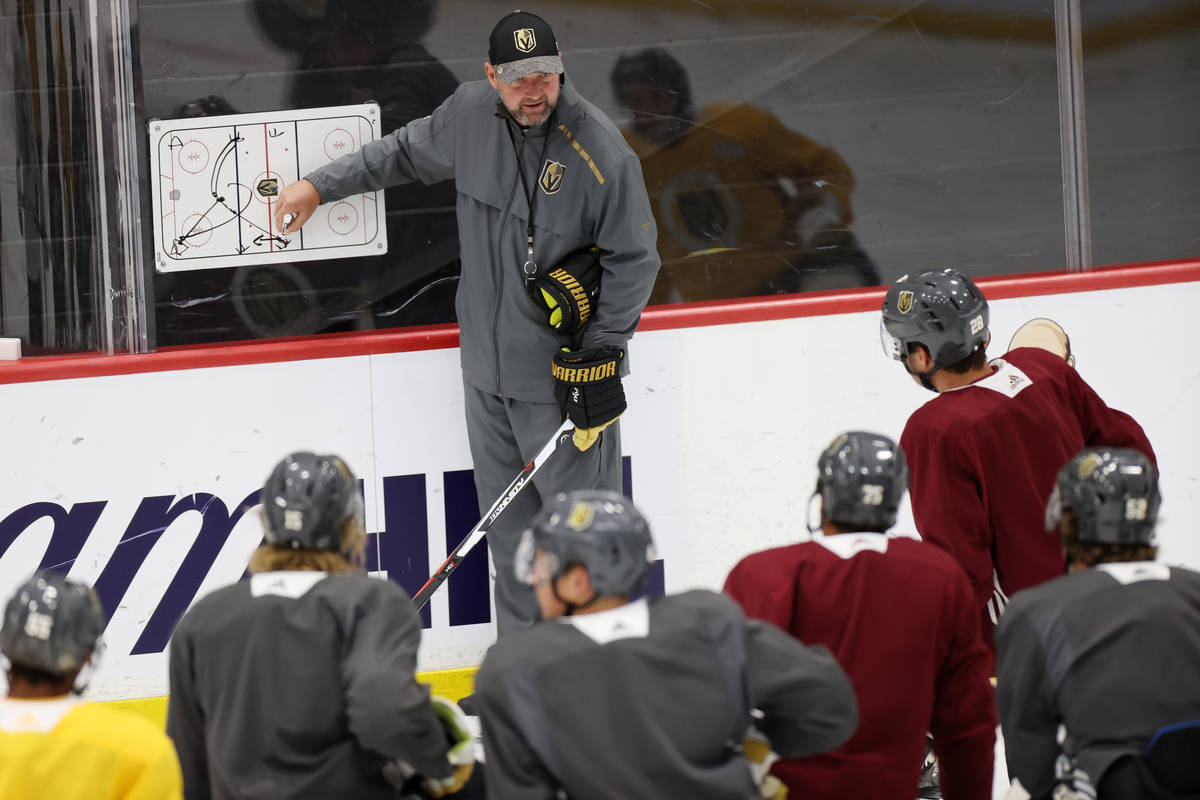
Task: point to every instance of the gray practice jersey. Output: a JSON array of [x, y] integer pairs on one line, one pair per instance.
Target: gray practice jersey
[[651, 700], [1112, 654], [587, 189], [300, 684]]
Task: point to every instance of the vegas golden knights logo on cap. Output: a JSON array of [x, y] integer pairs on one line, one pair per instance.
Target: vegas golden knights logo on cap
[[551, 178], [524, 39], [904, 302]]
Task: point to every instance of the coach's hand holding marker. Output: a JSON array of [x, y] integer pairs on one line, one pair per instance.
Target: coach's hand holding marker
[[296, 204], [588, 390]]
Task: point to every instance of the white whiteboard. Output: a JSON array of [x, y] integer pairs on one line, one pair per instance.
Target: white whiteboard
[[216, 179]]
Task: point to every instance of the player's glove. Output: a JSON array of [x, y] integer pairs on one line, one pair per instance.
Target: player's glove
[[759, 755], [461, 754], [567, 294], [588, 390]]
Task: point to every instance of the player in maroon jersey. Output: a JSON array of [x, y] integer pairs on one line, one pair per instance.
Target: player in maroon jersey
[[899, 618], [984, 453]]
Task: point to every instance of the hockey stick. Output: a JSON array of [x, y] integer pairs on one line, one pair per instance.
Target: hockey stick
[[473, 537]]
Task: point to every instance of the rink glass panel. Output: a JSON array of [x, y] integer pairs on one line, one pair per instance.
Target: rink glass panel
[[828, 145], [1142, 84], [49, 284]]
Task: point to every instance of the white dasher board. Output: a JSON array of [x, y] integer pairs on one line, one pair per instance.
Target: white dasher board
[[216, 180]]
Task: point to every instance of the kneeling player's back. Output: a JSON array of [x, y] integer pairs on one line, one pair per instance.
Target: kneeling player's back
[[897, 614], [63, 749], [651, 700]]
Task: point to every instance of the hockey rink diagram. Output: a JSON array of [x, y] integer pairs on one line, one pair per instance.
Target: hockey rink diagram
[[217, 181]]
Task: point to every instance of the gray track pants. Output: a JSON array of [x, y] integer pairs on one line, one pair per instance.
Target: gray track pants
[[505, 434]]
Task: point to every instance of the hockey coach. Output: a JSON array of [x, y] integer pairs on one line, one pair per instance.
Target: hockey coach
[[557, 243]]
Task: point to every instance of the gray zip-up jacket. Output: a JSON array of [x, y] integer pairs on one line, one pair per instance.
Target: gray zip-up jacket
[[300, 684], [651, 700], [589, 191], [1112, 654]]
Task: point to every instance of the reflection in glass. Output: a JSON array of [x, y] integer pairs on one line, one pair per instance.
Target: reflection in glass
[[1141, 67], [342, 52], [49, 296], [744, 206]]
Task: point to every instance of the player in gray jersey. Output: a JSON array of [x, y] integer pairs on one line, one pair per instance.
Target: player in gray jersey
[[641, 699], [1099, 670], [300, 681]]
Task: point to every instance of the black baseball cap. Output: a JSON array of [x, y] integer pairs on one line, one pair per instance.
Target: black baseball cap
[[521, 44]]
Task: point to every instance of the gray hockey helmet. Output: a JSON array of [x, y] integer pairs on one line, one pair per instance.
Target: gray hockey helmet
[[51, 624], [942, 310], [306, 500], [861, 478], [601, 530], [1113, 493]]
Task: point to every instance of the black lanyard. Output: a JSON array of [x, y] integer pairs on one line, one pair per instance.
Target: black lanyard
[[530, 267]]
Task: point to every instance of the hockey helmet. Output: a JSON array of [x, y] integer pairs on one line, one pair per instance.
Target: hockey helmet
[[51, 624], [1113, 493], [306, 500], [861, 478], [601, 530], [942, 310]]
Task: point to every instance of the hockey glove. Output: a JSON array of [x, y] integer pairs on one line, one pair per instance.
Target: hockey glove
[[758, 753], [588, 390], [567, 294], [462, 749]]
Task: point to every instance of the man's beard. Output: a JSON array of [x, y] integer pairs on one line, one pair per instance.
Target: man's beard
[[526, 121]]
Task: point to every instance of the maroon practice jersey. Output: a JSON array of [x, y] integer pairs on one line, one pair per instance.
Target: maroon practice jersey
[[898, 616], [983, 460]]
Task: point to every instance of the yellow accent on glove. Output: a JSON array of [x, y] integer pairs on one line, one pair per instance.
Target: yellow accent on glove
[[586, 437], [555, 311], [461, 754], [760, 757]]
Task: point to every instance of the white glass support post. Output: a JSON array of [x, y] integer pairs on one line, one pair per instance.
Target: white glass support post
[[124, 316], [1068, 25]]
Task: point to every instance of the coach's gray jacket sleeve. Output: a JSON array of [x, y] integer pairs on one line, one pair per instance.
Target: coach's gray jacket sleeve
[[807, 701], [423, 150], [626, 234]]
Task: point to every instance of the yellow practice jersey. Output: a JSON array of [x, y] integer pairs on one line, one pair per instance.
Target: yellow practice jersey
[[63, 748]]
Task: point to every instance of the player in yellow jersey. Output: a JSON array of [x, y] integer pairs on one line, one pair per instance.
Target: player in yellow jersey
[[54, 745], [744, 205]]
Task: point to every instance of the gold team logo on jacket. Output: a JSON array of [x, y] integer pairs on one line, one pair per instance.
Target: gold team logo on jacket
[[581, 516], [551, 178], [524, 39], [904, 302]]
